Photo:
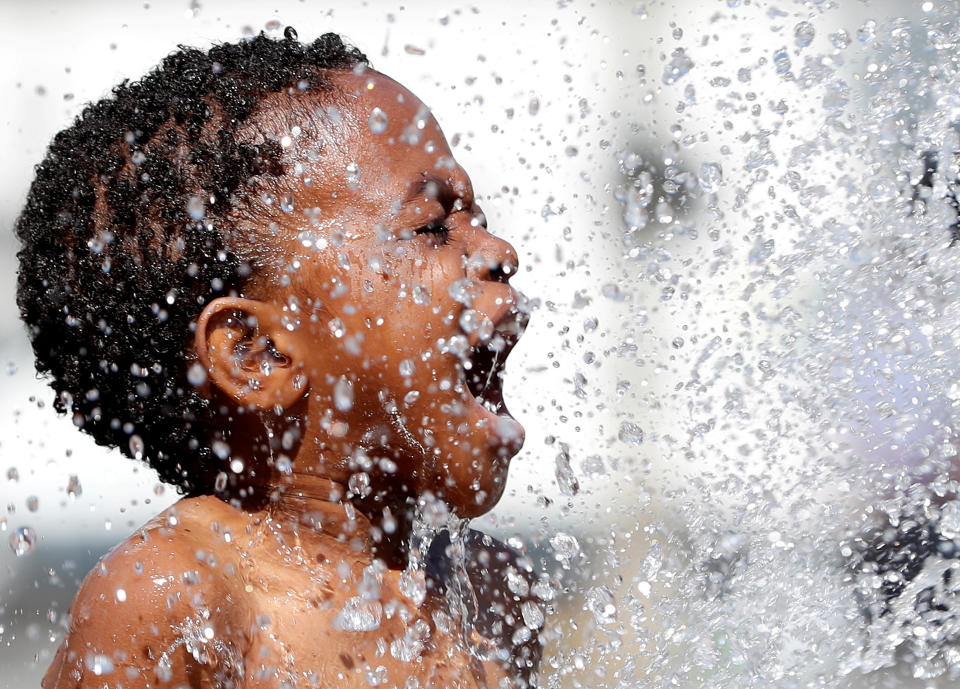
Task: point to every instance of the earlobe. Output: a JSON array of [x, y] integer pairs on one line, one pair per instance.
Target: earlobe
[[248, 354]]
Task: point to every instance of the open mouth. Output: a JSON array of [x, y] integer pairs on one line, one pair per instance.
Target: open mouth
[[483, 368]]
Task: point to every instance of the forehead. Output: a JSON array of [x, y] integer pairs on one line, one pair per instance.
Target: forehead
[[385, 107], [389, 125]]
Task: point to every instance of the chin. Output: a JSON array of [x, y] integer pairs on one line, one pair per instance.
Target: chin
[[476, 492]]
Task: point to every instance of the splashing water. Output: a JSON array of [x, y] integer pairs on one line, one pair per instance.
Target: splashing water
[[772, 500], [430, 519], [22, 541]]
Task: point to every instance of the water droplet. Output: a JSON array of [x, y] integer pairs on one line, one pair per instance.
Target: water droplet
[[711, 177], [220, 482], [664, 212], [677, 67], [532, 614], [612, 291], [867, 32], [33, 502], [22, 541], [565, 548], [516, 582], [378, 121], [803, 34], [462, 291], [359, 483], [600, 601], [950, 519], [543, 590], [98, 663], [343, 394], [413, 585], [220, 449], [13, 474], [136, 447], [359, 615], [196, 207], [566, 479], [840, 39], [781, 60], [630, 433], [421, 295], [196, 374], [593, 467], [469, 321], [290, 33], [534, 106], [407, 367], [74, 489], [377, 676], [336, 327]]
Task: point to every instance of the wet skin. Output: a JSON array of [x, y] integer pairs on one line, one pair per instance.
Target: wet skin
[[244, 588]]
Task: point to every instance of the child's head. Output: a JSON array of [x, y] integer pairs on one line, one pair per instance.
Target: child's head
[[272, 234]]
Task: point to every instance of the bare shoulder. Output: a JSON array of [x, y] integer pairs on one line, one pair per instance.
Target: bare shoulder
[[155, 608]]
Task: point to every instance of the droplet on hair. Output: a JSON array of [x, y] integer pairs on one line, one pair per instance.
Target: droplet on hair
[[196, 374], [136, 446], [220, 449], [196, 207], [290, 33]]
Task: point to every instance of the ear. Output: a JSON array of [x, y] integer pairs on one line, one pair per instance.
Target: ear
[[248, 354]]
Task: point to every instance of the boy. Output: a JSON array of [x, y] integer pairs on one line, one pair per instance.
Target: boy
[[261, 270]]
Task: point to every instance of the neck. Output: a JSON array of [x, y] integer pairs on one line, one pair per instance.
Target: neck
[[313, 500], [312, 508], [316, 505]]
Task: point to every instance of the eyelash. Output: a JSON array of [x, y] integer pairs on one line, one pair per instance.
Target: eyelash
[[439, 230]]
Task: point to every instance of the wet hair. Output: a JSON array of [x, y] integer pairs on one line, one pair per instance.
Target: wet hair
[[125, 236]]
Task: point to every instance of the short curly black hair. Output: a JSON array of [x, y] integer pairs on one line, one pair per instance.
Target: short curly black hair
[[126, 235]]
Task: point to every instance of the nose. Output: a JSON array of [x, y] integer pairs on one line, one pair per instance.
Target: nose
[[492, 258]]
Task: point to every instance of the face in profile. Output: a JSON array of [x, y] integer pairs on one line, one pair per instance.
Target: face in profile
[[397, 299]]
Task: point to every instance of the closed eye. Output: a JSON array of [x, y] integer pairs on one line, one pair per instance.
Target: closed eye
[[438, 230]]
